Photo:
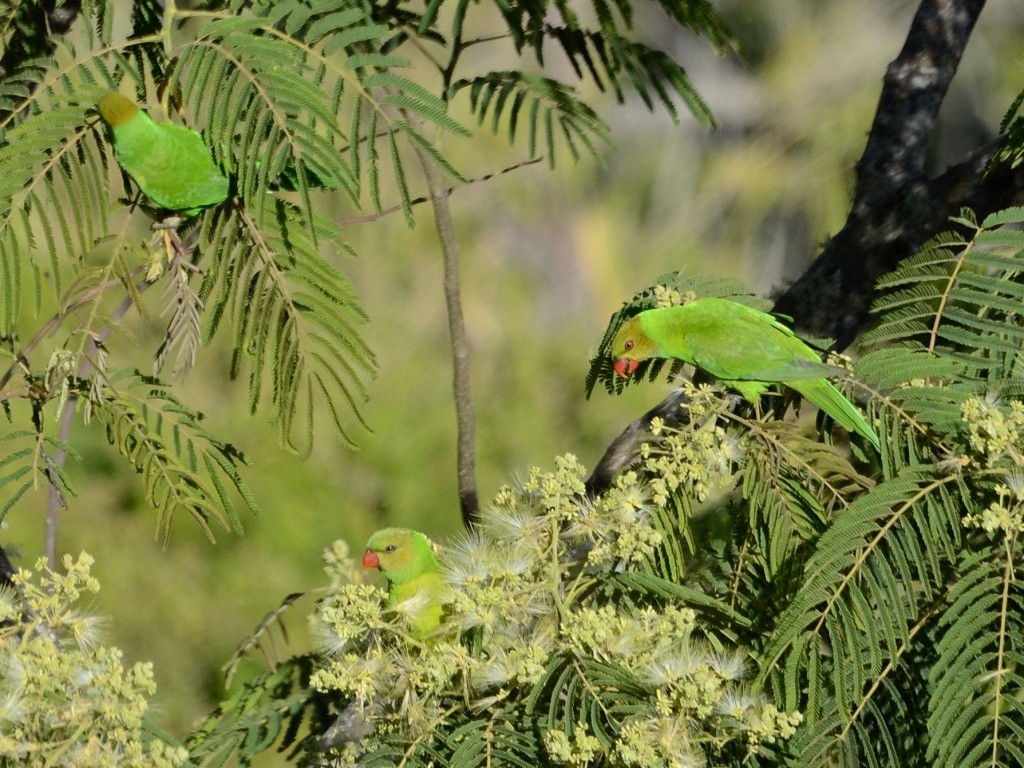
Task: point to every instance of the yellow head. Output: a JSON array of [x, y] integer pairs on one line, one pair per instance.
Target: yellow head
[[116, 109], [630, 346], [400, 554]]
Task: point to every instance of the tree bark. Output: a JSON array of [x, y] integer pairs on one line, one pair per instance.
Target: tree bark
[[896, 207], [465, 421]]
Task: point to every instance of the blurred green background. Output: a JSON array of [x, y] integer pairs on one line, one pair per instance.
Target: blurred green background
[[546, 258]]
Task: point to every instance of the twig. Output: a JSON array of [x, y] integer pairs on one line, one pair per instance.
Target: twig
[[368, 217], [53, 324]]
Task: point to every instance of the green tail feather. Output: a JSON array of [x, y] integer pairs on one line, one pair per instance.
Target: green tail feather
[[824, 394]]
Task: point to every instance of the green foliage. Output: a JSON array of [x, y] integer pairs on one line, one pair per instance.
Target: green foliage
[[65, 698], [306, 106], [29, 463], [1011, 137], [886, 602], [552, 109], [880, 602], [883, 595], [605, 53], [311, 99], [295, 315], [265, 711], [563, 644], [743, 595], [183, 467]]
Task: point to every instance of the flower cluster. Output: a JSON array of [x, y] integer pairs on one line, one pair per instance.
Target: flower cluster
[[529, 609], [668, 738], [1005, 514], [696, 458], [667, 296], [579, 750], [996, 434], [66, 699]]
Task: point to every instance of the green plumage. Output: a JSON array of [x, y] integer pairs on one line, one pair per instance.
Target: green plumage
[[406, 558], [744, 348], [169, 162]]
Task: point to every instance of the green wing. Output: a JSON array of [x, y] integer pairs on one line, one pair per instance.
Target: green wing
[[170, 163], [733, 342], [745, 349]]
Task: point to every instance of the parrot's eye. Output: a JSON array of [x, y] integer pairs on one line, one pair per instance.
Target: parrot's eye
[[390, 548], [629, 344]]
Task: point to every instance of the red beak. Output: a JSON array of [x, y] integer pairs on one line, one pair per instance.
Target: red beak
[[625, 367], [370, 560]]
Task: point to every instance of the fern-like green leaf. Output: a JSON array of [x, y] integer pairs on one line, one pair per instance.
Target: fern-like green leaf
[[853, 597], [923, 386], [184, 468], [268, 708], [793, 486], [496, 740], [653, 75], [961, 296], [294, 316], [1011, 138], [716, 611], [602, 695], [49, 162], [553, 111], [27, 463], [976, 714]]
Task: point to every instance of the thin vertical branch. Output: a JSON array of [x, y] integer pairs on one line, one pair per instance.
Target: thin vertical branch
[[465, 422], [55, 499]]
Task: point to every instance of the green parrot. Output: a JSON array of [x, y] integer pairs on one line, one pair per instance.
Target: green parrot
[[169, 162], [406, 558], [744, 348]]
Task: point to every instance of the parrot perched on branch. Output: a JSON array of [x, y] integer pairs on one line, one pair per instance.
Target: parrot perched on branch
[[744, 348], [169, 162], [415, 587]]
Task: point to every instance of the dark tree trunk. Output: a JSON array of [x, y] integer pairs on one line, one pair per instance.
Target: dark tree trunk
[[896, 206]]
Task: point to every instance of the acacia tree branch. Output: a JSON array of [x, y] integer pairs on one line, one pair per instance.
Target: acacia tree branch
[[365, 218], [624, 450], [896, 207], [465, 421]]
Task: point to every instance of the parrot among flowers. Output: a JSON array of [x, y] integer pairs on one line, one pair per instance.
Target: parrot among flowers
[[744, 348], [169, 162], [415, 587]]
